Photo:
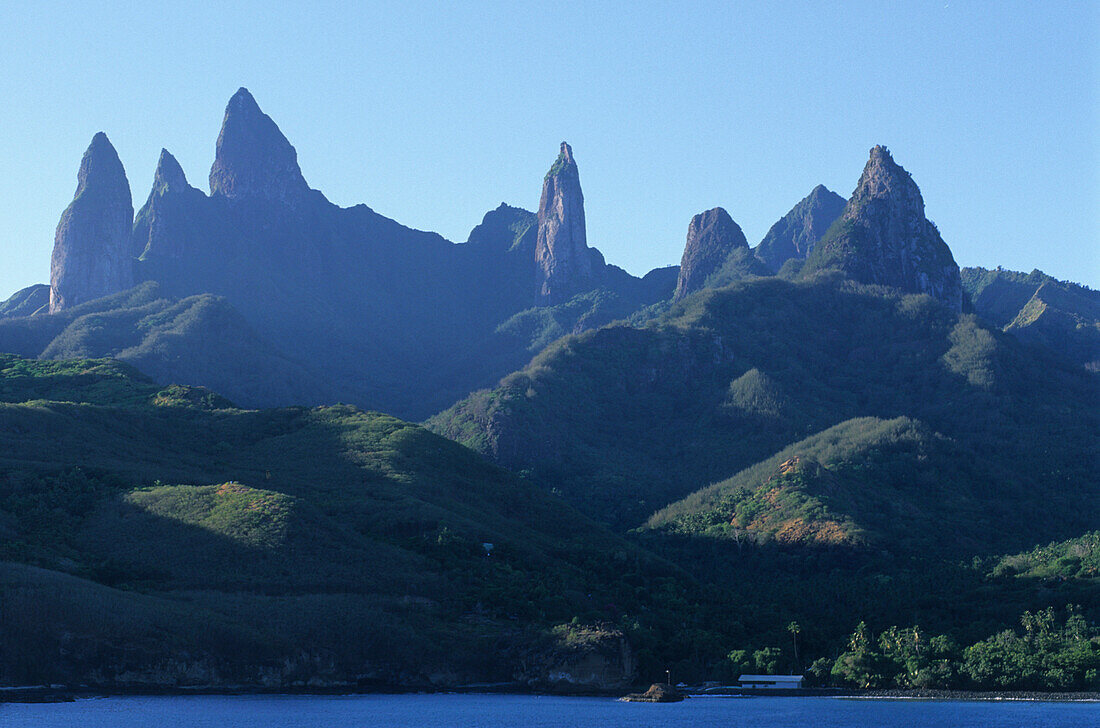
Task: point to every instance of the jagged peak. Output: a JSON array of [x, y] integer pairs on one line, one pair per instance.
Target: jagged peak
[[100, 141], [886, 238], [882, 177], [100, 168], [711, 237], [564, 164], [169, 176], [566, 152], [716, 216], [796, 233], [243, 102], [820, 191], [253, 158], [879, 151], [91, 256], [820, 195], [564, 262]]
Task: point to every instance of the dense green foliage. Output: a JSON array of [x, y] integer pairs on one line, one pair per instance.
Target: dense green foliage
[[1076, 558], [1051, 654], [812, 452], [871, 456], [26, 302]]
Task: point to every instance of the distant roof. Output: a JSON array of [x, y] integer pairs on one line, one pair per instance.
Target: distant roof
[[768, 678]]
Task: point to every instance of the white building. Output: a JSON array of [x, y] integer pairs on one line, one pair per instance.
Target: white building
[[771, 682]]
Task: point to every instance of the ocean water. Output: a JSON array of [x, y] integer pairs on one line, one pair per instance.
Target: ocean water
[[493, 711]]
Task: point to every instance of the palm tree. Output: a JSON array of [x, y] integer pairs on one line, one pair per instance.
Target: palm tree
[[794, 629]]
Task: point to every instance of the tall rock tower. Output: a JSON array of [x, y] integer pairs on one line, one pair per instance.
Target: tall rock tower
[[884, 238], [563, 260], [92, 251], [253, 159]]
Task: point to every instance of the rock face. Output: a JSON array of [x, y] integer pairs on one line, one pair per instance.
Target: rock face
[[796, 233], [169, 176], [712, 236], [253, 158], [91, 254], [563, 260], [884, 238], [157, 217], [580, 658], [367, 307]]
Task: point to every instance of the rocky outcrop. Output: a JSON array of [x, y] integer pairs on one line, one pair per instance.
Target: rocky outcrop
[[884, 238], [563, 260], [169, 176], [657, 693], [253, 158], [579, 658], [796, 233], [712, 236], [91, 253], [166, 207]]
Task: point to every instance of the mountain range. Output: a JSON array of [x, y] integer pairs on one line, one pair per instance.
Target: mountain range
[[614, 474]]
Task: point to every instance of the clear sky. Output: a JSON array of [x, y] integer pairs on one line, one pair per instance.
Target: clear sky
[[434, 113]]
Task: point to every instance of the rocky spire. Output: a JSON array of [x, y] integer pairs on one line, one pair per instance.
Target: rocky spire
[[711, 237], [884, 238], [796, 233], [253, 158], [564, 263], [169, 183], [169, 176], [91, 252]]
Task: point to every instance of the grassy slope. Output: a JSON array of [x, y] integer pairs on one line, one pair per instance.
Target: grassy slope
[[888, 483], [342, 533], [1076, 558]]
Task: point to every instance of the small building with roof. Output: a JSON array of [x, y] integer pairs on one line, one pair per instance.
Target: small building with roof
[[770, 682]]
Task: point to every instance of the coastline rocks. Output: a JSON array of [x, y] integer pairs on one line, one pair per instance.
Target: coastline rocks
[[580, 659], [657, 693]]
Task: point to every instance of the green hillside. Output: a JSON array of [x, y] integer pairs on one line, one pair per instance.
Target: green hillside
[[1076, 558], [818, 453], [865, 482], [328, 542], [1058, 315], [624, 421]]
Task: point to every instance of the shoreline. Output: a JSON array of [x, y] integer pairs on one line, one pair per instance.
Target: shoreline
[[59, 694]]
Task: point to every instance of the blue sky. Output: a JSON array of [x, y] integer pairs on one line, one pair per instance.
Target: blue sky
[[434, 113]]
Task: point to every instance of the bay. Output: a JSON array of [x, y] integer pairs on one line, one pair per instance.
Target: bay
[[500, 711]]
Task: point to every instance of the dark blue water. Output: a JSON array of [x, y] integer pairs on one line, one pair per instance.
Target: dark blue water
[[493, 711]]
